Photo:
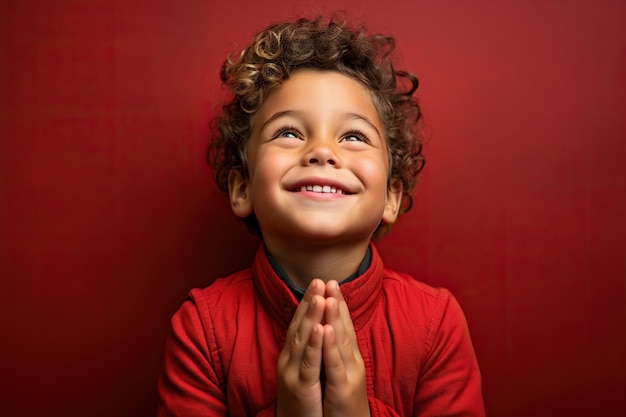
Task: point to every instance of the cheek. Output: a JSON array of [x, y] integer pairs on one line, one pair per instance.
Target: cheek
[[372, 171], [267, 169]]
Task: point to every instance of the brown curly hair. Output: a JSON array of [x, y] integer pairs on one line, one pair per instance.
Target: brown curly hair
[[283, 48]]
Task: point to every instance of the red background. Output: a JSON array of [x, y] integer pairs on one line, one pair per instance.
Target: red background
[[109, 215]]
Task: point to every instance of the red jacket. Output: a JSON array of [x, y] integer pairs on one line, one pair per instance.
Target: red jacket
[[221, 356]]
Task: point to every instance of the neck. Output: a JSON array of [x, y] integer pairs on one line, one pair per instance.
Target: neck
[[303, 263]]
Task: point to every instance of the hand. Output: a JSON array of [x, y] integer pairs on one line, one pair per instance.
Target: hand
[[299, 364], [346, 390]]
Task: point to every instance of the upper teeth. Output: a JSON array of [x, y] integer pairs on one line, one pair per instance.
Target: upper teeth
[[321, 189]]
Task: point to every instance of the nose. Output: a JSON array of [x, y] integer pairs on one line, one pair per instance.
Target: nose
[[321, 152]]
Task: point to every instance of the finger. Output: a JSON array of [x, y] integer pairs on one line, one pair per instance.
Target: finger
[[301, 329], [311, 364], [300, 326], [338, 317], [333, 363], [333, 360], [342, 332], [316, 287], [345, 391], [333, 291]]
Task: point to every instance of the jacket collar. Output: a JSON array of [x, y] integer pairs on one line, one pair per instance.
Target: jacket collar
[[362, 294]]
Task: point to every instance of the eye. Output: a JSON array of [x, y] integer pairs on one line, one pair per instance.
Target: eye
[[287, 132], [355, 136]]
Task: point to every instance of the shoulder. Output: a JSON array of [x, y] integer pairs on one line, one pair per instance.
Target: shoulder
[[224, 295], [231, 286], [432, 322], [194, 348], [207, 315], [433, 309], [208, 309], [404, 287]]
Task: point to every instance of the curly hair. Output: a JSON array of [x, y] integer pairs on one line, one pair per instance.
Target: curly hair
[[283, 48]]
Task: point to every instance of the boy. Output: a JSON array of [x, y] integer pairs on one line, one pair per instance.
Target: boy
[[317, 151]]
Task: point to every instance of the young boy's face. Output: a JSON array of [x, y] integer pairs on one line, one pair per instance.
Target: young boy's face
[[318, 163]]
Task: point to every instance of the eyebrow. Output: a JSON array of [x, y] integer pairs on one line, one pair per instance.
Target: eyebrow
[[279, 115], [357, 116], [348, 116]]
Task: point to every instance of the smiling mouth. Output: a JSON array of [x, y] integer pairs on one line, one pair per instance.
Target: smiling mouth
[[324, 189]]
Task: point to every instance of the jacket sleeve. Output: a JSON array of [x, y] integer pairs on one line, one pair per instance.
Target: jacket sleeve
[[450, 382], [189, 384]]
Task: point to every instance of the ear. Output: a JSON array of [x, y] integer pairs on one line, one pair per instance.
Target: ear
[[394, 201], [239, 191]]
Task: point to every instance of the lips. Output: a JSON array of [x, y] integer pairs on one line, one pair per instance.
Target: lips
[[321, 189], [320, 185]]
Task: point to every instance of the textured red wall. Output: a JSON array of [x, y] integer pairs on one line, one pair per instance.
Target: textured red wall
[[108, 214]]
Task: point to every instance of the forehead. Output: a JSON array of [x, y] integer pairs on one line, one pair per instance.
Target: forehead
[[320, 93]]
